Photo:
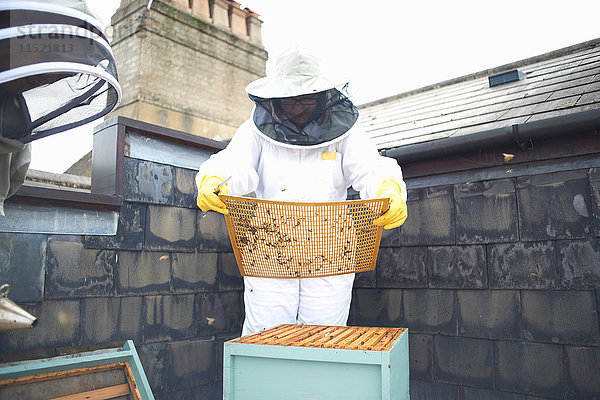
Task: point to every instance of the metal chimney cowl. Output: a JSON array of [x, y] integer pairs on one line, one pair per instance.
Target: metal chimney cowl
[[57, 70]]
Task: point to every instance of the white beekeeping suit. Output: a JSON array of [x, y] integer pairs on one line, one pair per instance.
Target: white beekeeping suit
[[302, 143]]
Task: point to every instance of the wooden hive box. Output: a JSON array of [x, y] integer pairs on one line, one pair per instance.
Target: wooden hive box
[[317, 362], [114, 373]]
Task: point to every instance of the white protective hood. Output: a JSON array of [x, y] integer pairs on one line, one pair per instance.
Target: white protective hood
[[296, 73]]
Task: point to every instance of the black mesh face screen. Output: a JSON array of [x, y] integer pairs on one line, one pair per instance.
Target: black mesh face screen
[[57, 70], [14, 117], [333, 116]]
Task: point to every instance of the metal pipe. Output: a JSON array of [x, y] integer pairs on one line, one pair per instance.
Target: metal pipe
[[512, 134]]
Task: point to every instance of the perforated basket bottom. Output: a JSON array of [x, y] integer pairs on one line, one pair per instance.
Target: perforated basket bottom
[[277, 239], [331, 337]]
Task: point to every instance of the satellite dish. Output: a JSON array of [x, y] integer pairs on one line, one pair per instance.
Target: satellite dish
[[57, 70]]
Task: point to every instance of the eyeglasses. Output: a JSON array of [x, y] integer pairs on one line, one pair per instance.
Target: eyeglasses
[[305, 101]]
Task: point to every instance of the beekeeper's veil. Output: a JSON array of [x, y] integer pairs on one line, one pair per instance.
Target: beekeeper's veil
[[296, 73]]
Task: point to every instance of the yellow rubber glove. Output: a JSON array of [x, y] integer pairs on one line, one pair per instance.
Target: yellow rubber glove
[[397, 212], [207, 198]]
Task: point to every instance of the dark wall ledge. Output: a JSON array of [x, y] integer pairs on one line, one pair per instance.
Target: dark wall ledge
[[65, 204]]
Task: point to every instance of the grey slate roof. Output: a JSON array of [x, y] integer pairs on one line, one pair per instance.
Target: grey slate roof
[[561, 82]]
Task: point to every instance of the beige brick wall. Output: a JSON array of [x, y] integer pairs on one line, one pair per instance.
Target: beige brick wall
[[178, 69]]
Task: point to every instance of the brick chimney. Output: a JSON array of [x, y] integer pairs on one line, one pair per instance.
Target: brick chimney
[[184, 64]]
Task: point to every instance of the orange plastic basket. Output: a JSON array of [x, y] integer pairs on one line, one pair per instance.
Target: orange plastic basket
[[276, 239]]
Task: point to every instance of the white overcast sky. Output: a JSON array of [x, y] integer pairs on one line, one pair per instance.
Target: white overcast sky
[[388, 47]]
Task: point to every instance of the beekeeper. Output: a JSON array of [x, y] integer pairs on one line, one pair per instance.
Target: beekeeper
[[302, 143]]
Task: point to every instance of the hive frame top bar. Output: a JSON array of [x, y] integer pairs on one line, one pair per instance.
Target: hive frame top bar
[[330, 337]]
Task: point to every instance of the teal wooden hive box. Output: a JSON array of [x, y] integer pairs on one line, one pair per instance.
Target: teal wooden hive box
[[317, 362], [101, 374]]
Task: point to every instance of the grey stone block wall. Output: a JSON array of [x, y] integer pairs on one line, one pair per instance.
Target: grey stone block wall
[[529, 367], [23, 265], [432, 219], [486, 212], [498, 283]]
